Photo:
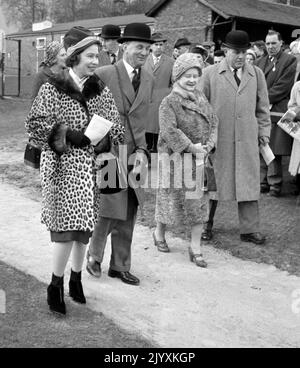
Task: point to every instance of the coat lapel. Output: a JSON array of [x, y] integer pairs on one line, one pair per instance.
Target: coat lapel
[[125, 82], [246, 77], [158, 65], [120, 54], [268, 66], [150, 62], [225, 70], [143, 88]]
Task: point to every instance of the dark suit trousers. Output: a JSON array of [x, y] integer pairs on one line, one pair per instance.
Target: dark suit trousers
[[248, 216], [121, 237]]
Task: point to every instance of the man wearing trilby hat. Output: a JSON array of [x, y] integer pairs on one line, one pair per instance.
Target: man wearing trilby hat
[[131, 86], [160, 66], [112, 52], [238, 93]]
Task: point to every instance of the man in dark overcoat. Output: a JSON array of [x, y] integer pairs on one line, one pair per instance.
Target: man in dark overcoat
[[132, 88], [112, 51], [280, 70], [160, 66]]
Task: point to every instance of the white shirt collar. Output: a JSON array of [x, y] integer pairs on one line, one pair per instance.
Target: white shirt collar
[[78, 81], [156, 58], [129, 69], [115, 53], [238, 73]]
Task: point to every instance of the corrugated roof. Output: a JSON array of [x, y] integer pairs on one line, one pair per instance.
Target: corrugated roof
[[258, 10], [248, 9], [92, 24]]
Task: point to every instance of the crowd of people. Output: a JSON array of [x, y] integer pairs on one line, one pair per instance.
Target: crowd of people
[[196, 106]]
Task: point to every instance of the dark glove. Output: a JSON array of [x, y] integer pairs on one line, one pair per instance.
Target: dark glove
[[77, 139], [57, 139], [104, 145]]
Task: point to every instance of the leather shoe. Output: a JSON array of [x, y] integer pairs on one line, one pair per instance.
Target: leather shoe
[[93, 267], [274, 193], [207, 235], [161, 245], [124, 276], [264, 189], [256, 238]]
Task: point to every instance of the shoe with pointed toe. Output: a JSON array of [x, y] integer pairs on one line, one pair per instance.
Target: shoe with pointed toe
[[256, 238], [124, 276]]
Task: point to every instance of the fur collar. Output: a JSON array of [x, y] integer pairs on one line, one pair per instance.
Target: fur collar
[[64, 83]]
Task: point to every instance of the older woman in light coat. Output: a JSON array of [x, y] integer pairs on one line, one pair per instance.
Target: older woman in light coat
[[188, 132]]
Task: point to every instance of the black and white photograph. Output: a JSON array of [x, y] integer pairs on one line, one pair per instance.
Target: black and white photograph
[[149, 177]]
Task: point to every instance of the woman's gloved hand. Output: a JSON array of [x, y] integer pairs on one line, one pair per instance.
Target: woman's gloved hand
[[57, 139], [104, 145], [77, 139]]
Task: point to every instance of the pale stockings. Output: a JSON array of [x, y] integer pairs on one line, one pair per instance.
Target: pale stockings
[[61, 255]]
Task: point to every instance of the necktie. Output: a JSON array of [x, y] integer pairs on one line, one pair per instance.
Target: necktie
[[272, 60], [136, 80], [237, 79], [156, 61], [113, 58]]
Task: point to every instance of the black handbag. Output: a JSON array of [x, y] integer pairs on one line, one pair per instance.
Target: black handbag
[[209, 175], [32, 155]]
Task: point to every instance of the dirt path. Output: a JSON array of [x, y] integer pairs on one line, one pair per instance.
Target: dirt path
[[231, 304]]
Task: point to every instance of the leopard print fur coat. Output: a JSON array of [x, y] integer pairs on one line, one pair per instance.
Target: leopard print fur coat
[[70, 196]]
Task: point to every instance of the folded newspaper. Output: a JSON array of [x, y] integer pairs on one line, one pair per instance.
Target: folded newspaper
[[290, 126], [97, 129], [267, 154]]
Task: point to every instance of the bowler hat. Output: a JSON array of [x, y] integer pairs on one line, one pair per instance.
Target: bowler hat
[[136, 32], [110, 31], [182, 42], [158, 37], [237, 40], [199, 49], [75, 35]]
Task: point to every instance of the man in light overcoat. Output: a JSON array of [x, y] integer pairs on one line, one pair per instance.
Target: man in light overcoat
[[160, 66], [239, 96], [118, 211], [279, 69]]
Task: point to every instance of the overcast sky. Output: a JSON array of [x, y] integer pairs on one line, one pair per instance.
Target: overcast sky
[[3, 23]]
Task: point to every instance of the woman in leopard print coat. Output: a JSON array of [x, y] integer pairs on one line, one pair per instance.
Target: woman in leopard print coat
[[68, 178]]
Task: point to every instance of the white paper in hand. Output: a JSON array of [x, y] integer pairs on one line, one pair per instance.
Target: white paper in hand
[[97, 129], [267, 154]]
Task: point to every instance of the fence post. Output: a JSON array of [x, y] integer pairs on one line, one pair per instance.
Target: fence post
[[2, 60], [19, 67]]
